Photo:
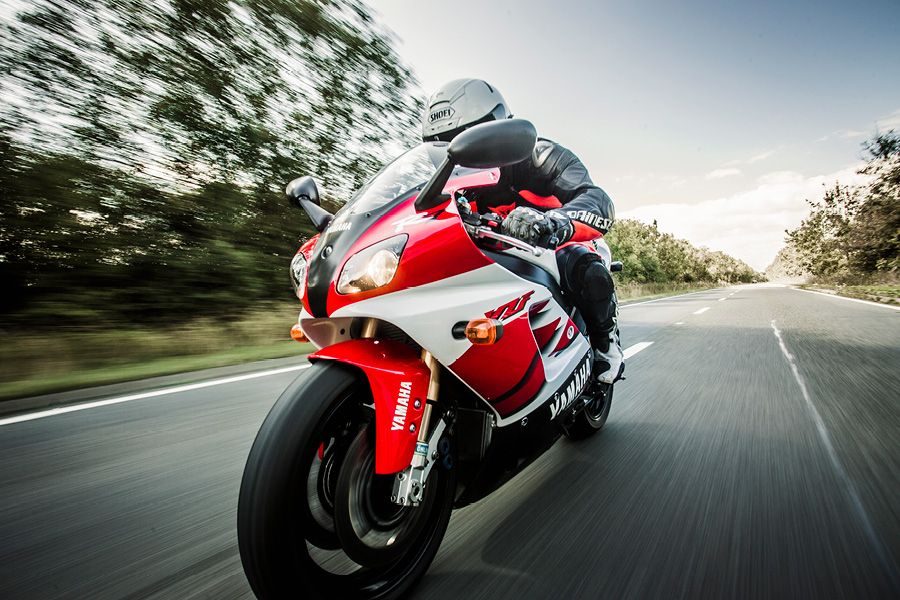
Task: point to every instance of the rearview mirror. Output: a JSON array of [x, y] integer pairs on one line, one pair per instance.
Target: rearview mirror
[[493, 144], [303, 193], [303, 187]]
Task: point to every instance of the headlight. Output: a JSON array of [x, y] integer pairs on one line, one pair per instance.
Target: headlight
[[299, 267], [373, 267]]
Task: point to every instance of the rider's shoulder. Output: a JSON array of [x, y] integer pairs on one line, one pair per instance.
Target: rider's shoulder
[[543, 148], [546, 148]]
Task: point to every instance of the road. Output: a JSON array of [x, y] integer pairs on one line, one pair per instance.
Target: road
[[752, 452]]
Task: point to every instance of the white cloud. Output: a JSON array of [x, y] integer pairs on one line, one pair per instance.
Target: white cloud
[[750, 224], [892, 121], [720, 173], [844, 134], [753, 159], [761, 156]]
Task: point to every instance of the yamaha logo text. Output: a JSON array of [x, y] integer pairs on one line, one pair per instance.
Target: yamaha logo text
[[567, 394], [399, 421]]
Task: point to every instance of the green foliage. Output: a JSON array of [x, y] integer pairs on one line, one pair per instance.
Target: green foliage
[[786, 266], [145, 145], [649, 256], [853, 234]]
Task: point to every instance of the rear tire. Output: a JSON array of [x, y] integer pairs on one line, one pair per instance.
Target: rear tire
[[592, 417], [285, 545]]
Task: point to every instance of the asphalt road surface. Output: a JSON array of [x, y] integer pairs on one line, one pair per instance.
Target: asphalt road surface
[[753, 452]]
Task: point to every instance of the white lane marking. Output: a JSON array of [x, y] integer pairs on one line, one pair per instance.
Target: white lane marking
[[632, 350], [869, 302], [679, 322], [665, 298], [722, 299], [701, 311], [172, 390], [825, 437]]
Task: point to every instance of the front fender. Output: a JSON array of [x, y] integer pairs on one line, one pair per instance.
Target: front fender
[[399, 380]]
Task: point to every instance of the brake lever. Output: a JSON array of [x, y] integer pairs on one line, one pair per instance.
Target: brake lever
[[485, 233]]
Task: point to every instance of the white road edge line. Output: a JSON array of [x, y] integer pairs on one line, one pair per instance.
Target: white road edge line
[[679, 322], [723, 299], [120, 399], [701, 311], [632, 350], [870, 303], [825, 437], [665, 298]]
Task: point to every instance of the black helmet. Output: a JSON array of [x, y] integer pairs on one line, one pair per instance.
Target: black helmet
[[459, 105]]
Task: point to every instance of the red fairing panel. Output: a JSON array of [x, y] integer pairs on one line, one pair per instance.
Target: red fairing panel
[[508, 373], [398, 378]]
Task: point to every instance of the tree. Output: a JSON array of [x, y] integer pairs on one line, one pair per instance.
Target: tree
[[145, 146], [854, 233], [649, 256]]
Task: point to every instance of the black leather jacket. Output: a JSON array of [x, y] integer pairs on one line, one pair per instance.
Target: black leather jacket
[[554, 170]]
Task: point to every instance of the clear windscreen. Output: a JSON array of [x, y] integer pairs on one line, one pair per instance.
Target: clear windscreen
[[409, 170]]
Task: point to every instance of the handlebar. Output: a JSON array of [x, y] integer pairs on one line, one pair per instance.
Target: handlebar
[[484, 227]]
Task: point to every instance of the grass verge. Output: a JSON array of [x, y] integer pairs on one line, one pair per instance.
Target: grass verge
[[152, 368], [884, 293], [627, 292], [42, 361]]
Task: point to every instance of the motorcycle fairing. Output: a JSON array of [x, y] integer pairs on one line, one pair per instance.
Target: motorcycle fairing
[[429, 312], [399, 381]]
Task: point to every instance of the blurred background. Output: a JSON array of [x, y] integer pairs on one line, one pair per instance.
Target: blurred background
[[144, 148]]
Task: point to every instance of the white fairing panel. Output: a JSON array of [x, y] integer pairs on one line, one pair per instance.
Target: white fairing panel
[[428, 313], [324, 332]]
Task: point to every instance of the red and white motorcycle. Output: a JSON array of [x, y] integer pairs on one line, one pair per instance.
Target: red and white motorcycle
[[448, 359]]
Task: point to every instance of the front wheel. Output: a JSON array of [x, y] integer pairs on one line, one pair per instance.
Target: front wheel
[[314, 520]]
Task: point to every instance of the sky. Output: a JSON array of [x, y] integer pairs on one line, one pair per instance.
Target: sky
[[715, 118]]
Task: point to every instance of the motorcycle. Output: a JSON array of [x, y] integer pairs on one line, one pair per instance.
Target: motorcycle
[[448, 358]]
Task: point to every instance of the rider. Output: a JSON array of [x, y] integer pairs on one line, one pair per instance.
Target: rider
[[554, 202]]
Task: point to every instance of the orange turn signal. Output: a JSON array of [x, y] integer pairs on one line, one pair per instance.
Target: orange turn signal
[[482, 332], [297, 334]]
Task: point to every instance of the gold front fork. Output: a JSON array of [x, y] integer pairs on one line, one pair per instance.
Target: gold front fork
[[369, 329], [370, 326], [434, 385]]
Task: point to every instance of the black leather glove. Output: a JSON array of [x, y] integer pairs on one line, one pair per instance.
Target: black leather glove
[[547, 230]]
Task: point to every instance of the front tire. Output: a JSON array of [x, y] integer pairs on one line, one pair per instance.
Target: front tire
[[286, 527]]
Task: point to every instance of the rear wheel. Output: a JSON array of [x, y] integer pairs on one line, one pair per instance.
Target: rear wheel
[[309, 474], [592, 417]]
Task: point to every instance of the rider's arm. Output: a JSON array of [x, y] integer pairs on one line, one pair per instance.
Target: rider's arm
[[566, 177]]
